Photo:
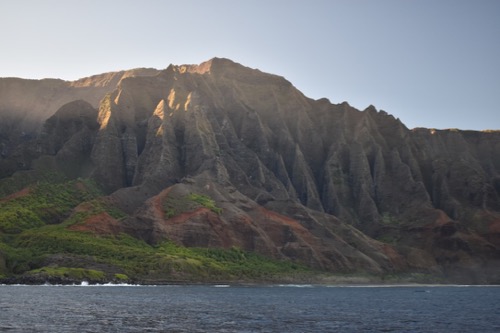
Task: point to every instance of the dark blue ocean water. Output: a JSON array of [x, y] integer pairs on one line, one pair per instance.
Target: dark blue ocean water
[[248, 309]]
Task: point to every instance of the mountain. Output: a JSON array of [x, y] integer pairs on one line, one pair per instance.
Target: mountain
[[222, 156]]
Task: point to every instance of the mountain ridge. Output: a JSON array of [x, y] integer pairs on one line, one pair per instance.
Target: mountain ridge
[[323, 184]]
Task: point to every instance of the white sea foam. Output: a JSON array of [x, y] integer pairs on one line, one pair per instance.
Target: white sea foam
[[286, 309], [87, 284]]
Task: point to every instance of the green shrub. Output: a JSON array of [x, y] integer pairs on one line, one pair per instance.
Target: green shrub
[[45, 203], [70, 273], [15, 218], [205, 201], [173, 206], [96, 207], [121, 277]]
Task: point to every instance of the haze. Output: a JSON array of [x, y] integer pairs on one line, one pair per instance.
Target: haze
[[430, 63]]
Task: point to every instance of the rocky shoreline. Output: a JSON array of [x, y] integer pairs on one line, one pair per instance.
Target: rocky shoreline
[[337, 280]]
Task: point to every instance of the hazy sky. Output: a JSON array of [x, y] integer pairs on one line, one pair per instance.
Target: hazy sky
[[431, 63]]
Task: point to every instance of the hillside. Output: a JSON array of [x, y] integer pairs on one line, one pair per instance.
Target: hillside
[[223, 157]]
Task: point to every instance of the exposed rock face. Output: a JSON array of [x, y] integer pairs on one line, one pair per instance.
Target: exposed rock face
[[295, 177], [26, 104]]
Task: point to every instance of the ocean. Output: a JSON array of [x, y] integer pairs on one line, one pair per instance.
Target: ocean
[[273, 308]]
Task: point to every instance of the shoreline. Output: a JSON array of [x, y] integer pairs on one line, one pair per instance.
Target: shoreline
[[256, 285], [318, 281]]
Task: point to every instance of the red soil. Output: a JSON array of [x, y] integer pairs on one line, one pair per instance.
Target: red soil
[[24, 192], [101, 224]]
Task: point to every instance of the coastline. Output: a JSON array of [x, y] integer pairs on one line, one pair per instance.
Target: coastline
[[312, 280]]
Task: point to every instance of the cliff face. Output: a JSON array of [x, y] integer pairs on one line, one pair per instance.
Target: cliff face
[[26, 104], [324, 184]]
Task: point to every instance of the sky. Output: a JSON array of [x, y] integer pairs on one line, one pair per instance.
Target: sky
[[430, 63]]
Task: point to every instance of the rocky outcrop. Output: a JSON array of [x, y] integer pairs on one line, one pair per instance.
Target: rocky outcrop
[[326, 184], [26, 105], [325, 243]]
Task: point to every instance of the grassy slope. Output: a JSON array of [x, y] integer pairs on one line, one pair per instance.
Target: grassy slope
[[34, 229]]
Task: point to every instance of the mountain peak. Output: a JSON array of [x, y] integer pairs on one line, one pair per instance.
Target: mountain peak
[[210, 66], [222, 155]]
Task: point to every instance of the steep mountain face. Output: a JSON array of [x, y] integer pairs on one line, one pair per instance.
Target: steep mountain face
[[26, 104], [275, 172]]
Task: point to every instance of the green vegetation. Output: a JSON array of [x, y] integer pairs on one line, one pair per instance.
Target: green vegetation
[[35, 241], [205, 202], [169, 212], [224, 264], [95, 207], [141, 260], [138, 259], [69, 273], [121, 277], [44, 203], [173, 206]]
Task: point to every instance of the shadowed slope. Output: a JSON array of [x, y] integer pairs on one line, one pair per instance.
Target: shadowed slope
[[294, 177]]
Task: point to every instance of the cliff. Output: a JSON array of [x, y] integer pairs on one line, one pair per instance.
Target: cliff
[[219, 155]]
